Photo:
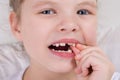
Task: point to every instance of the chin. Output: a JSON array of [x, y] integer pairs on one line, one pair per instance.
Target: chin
[[63, 68]]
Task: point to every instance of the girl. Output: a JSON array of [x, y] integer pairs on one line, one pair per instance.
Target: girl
[[60, 39]]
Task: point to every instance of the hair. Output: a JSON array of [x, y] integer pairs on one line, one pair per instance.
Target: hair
[[16, 6]]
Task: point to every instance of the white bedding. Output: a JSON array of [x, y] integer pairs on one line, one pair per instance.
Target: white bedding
[[108, 23], [5, 34]]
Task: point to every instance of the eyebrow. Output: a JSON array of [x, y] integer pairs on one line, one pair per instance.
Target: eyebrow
[[43, 2], [89, 3]]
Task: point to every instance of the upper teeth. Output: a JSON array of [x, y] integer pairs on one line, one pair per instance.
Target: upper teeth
[[63, 44]]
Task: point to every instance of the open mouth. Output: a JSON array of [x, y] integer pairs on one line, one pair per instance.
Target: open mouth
[[61, 47]]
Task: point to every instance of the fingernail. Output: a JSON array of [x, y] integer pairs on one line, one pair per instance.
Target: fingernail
[[81, 47]]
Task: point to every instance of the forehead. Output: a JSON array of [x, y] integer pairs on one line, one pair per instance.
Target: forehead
[[62, 2]]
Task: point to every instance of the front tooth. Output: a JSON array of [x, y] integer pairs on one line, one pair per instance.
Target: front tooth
[[59, 51], [70, 44], [69, 51], [73, 45], [53, 49], [62, 44], [57, 45], [54, 44]]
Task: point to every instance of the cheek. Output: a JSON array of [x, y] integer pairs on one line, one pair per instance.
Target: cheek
[[90, 33], [90, 37], [35, 29], [35, 34], [31, 33]]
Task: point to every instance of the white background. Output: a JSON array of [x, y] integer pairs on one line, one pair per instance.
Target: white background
[[5, 34]]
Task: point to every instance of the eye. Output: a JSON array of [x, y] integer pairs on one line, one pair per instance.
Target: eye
[[83, 12], [48, 12]]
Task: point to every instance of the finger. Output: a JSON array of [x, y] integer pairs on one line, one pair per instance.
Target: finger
[[84, 48], [75, 50], [89, 51], [95, 54], [78, 48], [81, 47], [91, 61], [78, 70], [84, 59]]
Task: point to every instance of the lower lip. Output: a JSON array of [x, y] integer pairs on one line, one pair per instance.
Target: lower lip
[[63, 54]]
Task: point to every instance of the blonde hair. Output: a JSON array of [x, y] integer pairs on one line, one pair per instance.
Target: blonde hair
[[16, 6]]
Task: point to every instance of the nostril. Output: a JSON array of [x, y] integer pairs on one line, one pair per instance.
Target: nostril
[[68, 28], [62, 29], [74, 30]]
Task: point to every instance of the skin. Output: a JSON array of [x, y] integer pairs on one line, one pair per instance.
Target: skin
[[37, 30]]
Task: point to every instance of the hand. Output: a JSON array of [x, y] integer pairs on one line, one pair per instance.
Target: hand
[[92, 63]]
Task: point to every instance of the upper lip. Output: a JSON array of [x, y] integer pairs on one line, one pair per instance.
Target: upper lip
[[66, 41]]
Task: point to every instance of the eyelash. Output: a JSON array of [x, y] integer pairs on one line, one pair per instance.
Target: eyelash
[[52, 11], [48, 12], [83, 12]]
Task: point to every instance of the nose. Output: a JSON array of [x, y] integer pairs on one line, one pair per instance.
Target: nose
[[68, 26]]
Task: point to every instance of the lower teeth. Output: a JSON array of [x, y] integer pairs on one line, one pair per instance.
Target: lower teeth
[[69, 51]]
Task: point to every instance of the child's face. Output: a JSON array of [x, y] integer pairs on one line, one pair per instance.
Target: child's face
[[47, 22]]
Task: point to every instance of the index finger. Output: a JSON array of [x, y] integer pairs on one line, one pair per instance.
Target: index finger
[[81, 47]]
